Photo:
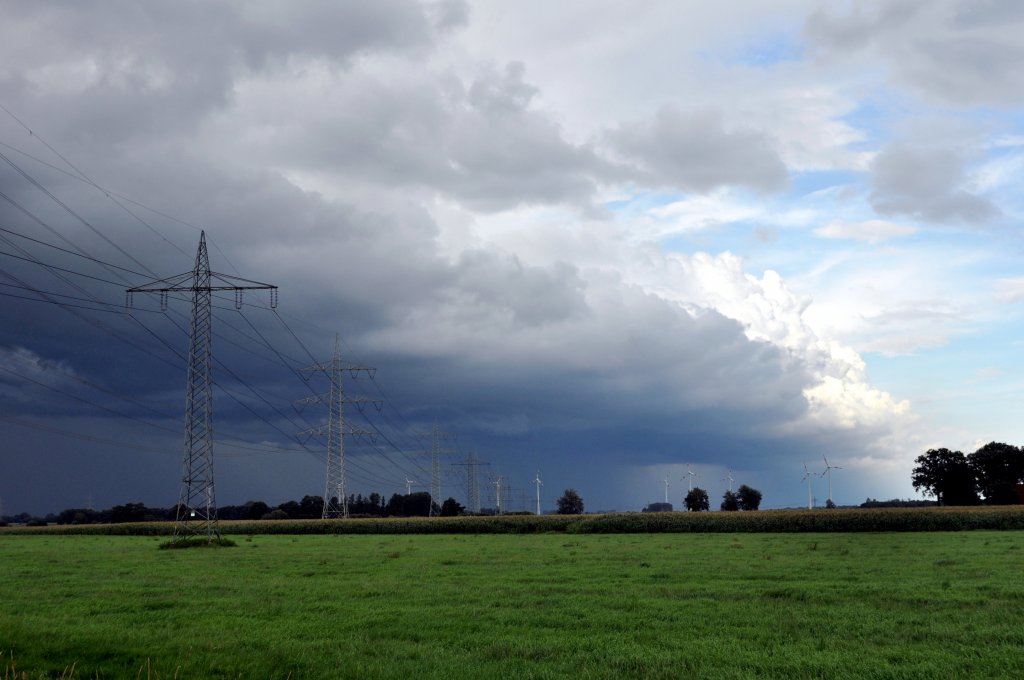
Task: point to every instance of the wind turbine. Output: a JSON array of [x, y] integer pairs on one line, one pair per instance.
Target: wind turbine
[[538, 483], [665, 482], [408, 485], [729, 478], [807, 476], [497, 492], [828, 473], [690, 475]]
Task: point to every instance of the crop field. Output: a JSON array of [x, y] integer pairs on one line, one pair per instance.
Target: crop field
[[728, 605]]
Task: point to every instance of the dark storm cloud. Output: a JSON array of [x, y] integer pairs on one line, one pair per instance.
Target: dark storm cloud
[[925, 184], [693, 151], [131, 69], [219, 114], [480, 143]]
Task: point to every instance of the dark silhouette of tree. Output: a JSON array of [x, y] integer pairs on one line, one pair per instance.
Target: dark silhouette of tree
[[290, 508], [998, 469], [452, 508], [947, 475], [417, 504], [658, 507], [730, 502], [748, 498], [570, 503], [311, 507], [395, 506], [697, 500]]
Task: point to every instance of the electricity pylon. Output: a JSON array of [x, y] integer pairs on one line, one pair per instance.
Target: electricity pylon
[[335, 494], [197, 506], [436, 435], [472, 481]]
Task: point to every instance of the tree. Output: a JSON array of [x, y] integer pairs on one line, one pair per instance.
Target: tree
[[730, 501], [658, 507], [417, 504], [451, 508], [570, 503], [697, 500], [998, 469], [311, 507], [748, 498], [947, 475]]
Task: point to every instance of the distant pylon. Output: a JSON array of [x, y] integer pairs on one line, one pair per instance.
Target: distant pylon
[[436, 435], [472, 480], [335, 492], [197, 506]]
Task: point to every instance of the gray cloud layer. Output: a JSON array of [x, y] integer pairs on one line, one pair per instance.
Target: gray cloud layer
[[313, 142]]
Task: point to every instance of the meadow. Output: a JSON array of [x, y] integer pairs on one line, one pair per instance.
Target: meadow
[[541, 605]]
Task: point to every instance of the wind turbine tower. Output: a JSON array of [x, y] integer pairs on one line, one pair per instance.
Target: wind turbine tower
[[690, 476], [665, 482], [497, 491], [536, 480], [828, 473], [408, 485], [810, 498], [729, 478]]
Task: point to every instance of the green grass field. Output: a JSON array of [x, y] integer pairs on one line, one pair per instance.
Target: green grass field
[[899, 605]]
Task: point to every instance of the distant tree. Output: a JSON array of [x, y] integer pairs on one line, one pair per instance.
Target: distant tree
[[830, 505], [395, 506], [417, 504], [897, 503], [730, 502], [452, 508], [291, 508], [748, 498], [129, 512], [570, 503], [276, 513], [946, 475], [254, 510], [311, 507], [697, 500], [658, 507], [998, 469]]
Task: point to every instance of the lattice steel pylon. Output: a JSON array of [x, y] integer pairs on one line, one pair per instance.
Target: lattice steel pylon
[[335, 492], [436, 435], [197, 506], [472, 481]]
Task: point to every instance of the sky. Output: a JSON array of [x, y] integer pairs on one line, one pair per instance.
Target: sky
[[594, 242]]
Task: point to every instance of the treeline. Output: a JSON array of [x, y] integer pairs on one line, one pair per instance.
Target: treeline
[[777, 521], [897, 503], [310, 507], [992, 475]]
